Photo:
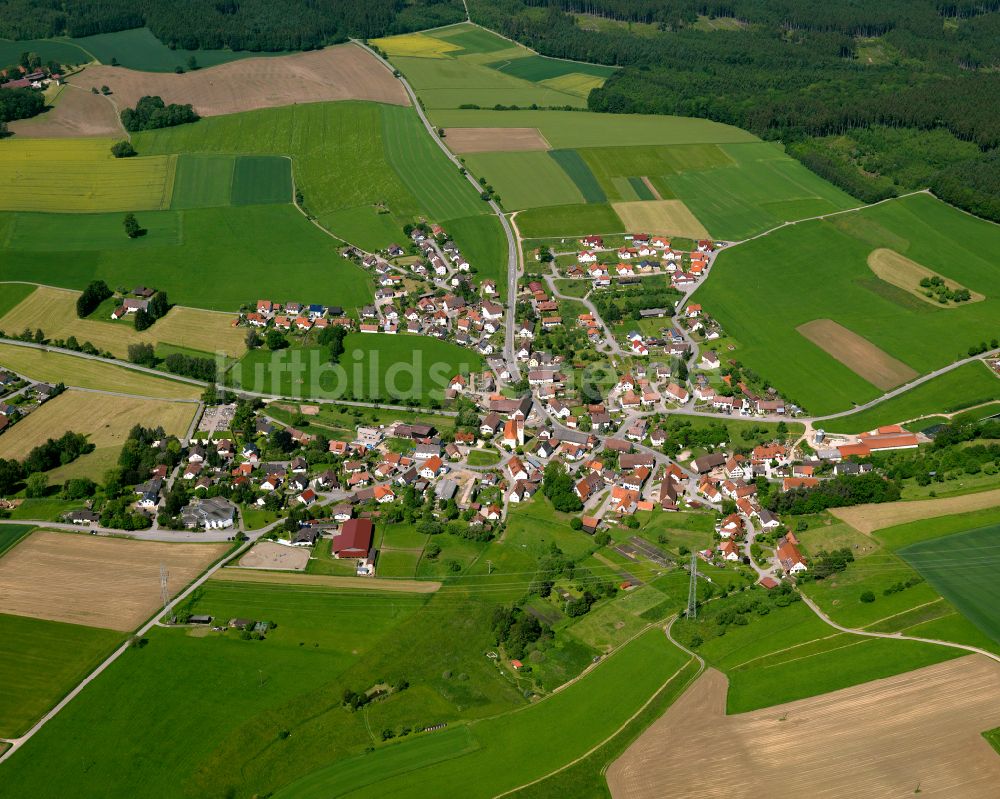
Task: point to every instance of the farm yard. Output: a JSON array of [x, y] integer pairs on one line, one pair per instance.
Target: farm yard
[[781, 268], [80, 175], [342, 72], [55, 367], [184, 327], [112, 583], [925, 724], [104, 419]]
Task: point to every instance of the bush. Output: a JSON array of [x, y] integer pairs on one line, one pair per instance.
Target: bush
[[868, 597], [123, 149]]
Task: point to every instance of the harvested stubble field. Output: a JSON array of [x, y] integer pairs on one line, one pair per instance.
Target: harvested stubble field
[[671, 217], [100, 582], [344, 72], [906, 274], [883, 738], [54, 310], [271, 555], [54, 367], [73, 113], [104, 419], [857, 353], [330, 581], [80, 175], [869, 518], [495, 140]]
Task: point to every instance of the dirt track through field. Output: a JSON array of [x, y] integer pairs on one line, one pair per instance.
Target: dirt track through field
[[868, 518], [75, 112], [881, 739], [857, 353], [343, 72], [495, 140], [95, 581], [233, 575]]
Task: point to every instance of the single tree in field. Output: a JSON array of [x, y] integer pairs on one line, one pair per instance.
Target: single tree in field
[[123, 149], [36, 485], [131, 226]]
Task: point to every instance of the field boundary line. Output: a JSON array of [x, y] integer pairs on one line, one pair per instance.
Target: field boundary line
[[903, 613], [785, 649], [897, 636]]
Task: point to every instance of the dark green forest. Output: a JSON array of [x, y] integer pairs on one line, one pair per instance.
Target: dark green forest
[[877, 96], [255, 25]]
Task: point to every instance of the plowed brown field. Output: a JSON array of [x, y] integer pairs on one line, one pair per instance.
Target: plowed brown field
[[885, 738]]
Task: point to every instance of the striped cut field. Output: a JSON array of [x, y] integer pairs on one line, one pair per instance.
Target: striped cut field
[[80, 175], [54, 310], [579, 172]]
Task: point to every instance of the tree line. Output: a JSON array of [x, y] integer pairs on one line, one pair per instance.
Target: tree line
[[255, 25]]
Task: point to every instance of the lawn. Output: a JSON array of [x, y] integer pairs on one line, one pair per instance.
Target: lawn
[[973, 589], [483, 457], [373, 365], [248, 249], [568, 221], [969, 384], [53, 367], [525, 179], [138, 48], [246, 692], [508, 754], [78, 175], [40, 661], [779, 268], [483, 243], [54, 310]]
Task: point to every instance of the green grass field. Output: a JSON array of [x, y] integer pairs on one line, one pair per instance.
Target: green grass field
[[779, 268], [373, 365], [65, 51], [565, 129], [12, 294], [248, 249], [208, 181], [539, 68], [969, 384], [525, 179], [483, 457], [140, 49], [80, 175], [973, 589], [759, 190], [506, 752], [10, 534], [246, 692], [40, 661], [482, 241], [568, 220], [657, 162]]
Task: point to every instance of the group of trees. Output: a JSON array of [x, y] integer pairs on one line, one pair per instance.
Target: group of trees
[[799, 72], [937, 288], [157, 309], [191, 366], [234, 24], [53, 453], [968, 448], [557, 486], [332, 337], [151, 113], [94, 294], [838, 492]]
